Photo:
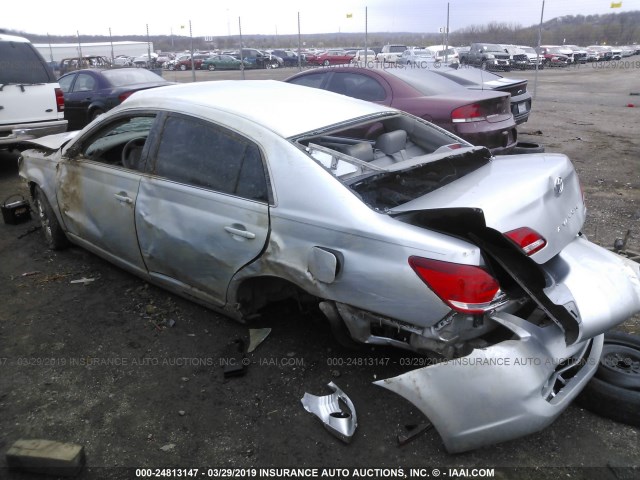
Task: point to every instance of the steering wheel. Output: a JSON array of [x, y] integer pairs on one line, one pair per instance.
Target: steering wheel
[[129, 148]]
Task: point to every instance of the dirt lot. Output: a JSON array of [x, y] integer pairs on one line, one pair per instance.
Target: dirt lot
[[133, 374]]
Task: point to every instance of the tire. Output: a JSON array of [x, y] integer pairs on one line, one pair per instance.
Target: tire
[[53, 233], [609, 400], [620, 360], [183, 67], [211, 67], [526, 147], [326, 63], [483, 65]]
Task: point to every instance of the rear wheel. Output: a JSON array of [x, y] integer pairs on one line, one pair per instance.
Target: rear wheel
[[95, 114], [614, 392], [53, 233]]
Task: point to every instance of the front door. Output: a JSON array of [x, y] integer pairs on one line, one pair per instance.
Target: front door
[[97, 188]]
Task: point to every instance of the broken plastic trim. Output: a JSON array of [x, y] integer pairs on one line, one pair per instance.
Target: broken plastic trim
[[329, 410]]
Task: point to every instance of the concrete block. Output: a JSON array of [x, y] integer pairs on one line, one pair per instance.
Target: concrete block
[[46, 456]]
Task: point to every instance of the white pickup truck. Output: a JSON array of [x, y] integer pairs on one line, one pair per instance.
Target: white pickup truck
[[391, 53]]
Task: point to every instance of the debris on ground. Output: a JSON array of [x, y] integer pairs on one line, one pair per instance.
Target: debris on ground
[[30, 231], [83, 280], [413, 432], [256, 337], [29, 274], [46, 456], [234, 361], [329, 410]]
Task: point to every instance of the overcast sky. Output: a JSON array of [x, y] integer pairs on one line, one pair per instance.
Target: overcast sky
[[220, 17]]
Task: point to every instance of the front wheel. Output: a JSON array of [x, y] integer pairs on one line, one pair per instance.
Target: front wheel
[[211, 67], [326, 63], [53, 233], [183, 67], [483, 65]]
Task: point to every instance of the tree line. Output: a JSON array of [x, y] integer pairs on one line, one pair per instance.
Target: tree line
[[609, 29]]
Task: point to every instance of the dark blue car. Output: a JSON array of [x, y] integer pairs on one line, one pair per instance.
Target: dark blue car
[[91, 92]]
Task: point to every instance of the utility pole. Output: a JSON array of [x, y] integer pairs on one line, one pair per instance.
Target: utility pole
[[299, 46], [446, 38], [111, 40], [193, 62], [241, 55], [79, 48], [535, 80], [366, 31]]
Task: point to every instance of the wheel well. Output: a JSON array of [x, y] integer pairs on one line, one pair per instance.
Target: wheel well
[[256, 293]]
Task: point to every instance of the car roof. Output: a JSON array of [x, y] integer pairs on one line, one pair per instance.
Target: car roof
[[12, 38], [284, 108]]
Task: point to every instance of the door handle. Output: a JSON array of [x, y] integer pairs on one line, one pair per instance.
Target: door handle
[[240, 233], [123, 197]]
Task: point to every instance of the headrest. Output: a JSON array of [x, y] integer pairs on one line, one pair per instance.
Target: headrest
[[392, 142], [362, 151]]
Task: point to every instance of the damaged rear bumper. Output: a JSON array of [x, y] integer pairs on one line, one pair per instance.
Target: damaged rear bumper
[[502, 392], [519, 386]]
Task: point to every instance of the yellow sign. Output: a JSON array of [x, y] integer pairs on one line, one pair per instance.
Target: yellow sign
[[349, 15], [616, 4]]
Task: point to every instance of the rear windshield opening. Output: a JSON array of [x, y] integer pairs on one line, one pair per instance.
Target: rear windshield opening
[[392, 161], [21, 63]]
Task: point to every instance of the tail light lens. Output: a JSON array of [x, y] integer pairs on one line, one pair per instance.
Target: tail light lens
[[468, 113], [527, 239], [59, 99], [465, 288], [476, 112], [123, 96]]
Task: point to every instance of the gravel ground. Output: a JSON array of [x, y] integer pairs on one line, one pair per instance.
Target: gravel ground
[[132, 372]]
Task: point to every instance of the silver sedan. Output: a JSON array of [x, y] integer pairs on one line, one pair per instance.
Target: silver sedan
[[235, 194]]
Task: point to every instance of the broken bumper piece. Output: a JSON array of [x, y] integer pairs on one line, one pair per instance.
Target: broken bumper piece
[[502, 392], [328, 409]]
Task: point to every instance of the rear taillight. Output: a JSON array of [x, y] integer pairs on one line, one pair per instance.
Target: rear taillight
[[59, 99], [465, 288], [527, 240], [123, 96], [468, 113]]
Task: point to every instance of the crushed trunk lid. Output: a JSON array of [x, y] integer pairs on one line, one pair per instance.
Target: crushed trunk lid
[[541, 192]]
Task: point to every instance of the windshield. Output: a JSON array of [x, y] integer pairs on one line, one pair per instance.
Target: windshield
[[492, 48]]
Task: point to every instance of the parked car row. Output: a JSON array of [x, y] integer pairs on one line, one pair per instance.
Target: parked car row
[[504, 57]]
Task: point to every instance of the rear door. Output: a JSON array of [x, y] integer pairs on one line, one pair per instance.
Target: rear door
[[78, 98], [203, 213]]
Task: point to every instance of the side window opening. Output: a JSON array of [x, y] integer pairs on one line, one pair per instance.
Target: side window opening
[[209, 156], [120, 143]]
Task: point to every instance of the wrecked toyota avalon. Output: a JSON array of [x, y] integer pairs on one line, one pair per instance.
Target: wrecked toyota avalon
[[235, 194]]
